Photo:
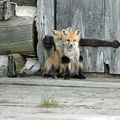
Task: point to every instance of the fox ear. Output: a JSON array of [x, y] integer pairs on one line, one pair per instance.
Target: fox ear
[[54, 32], [77, 32], [64, 32], [70, 29]]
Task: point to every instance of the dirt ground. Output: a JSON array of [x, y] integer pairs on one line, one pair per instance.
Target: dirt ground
[[90, 99]]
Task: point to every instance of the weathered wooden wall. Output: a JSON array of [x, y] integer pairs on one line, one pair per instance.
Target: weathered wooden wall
[[25, 2], [112, 32], [45, 23], [97, 19], [16, 36], [3, 65]]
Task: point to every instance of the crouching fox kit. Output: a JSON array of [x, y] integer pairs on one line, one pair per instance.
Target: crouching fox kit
[[54, 62], [65, 59]]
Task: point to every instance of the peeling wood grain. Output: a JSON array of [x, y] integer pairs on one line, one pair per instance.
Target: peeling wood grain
[[16, 36], [45, 23], [88, 15], [98, 19], [112, 31], [25, 2], [3, 65]]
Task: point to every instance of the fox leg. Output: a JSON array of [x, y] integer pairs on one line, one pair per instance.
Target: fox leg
[[47, 69], [50, 71], [67, 71], [76, 67], [80, 72], [64, 67], [65, 59], [80, 58], [61, 70]]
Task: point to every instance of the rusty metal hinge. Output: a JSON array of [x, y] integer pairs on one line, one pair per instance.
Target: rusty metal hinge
[[99, 43], [48, 42]]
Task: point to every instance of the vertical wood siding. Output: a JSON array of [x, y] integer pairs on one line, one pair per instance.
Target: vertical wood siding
[[112, 32], [45, 23], [96, 18]]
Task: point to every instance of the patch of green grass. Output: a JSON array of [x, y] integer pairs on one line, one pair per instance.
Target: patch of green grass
[[49, 102]]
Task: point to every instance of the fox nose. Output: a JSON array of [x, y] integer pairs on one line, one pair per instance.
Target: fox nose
[[71, 45]]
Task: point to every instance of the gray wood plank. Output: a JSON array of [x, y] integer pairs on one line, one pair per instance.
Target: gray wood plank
[[3, 65], [25, 2], [112, 32], [45, 23], [16, 36]]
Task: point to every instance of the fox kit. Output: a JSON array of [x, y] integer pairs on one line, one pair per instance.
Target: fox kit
[[71, 40], [54, 62]]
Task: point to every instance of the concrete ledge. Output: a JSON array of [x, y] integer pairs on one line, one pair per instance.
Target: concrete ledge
[[36, 81]]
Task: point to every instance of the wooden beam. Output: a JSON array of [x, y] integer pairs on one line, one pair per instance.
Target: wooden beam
[[16, 36], [25, 2]]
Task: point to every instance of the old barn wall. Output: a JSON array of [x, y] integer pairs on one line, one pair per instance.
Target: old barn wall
[[97, 19], [112, 32], [17, 35]]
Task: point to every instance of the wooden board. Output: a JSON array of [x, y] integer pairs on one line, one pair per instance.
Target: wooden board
[[45, 23], [16, 36], [25, 2], [112, 32], [3, 65]]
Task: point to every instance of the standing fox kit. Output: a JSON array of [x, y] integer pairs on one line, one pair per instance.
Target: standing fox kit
[[71, 49]]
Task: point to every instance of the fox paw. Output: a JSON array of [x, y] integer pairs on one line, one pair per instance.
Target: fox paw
[[82, 76], [81, 58], [67, 74], [46, 75], [65, 59]]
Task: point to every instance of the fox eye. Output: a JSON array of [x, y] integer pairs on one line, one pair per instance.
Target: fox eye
[[60, 38], [74, 40], [68, 40]]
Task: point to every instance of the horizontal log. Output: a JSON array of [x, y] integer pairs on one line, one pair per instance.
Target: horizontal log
[[48, 42], [25, 2], [16, 36]]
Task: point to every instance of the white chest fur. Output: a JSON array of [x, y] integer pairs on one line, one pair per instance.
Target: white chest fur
[[72, 53]]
